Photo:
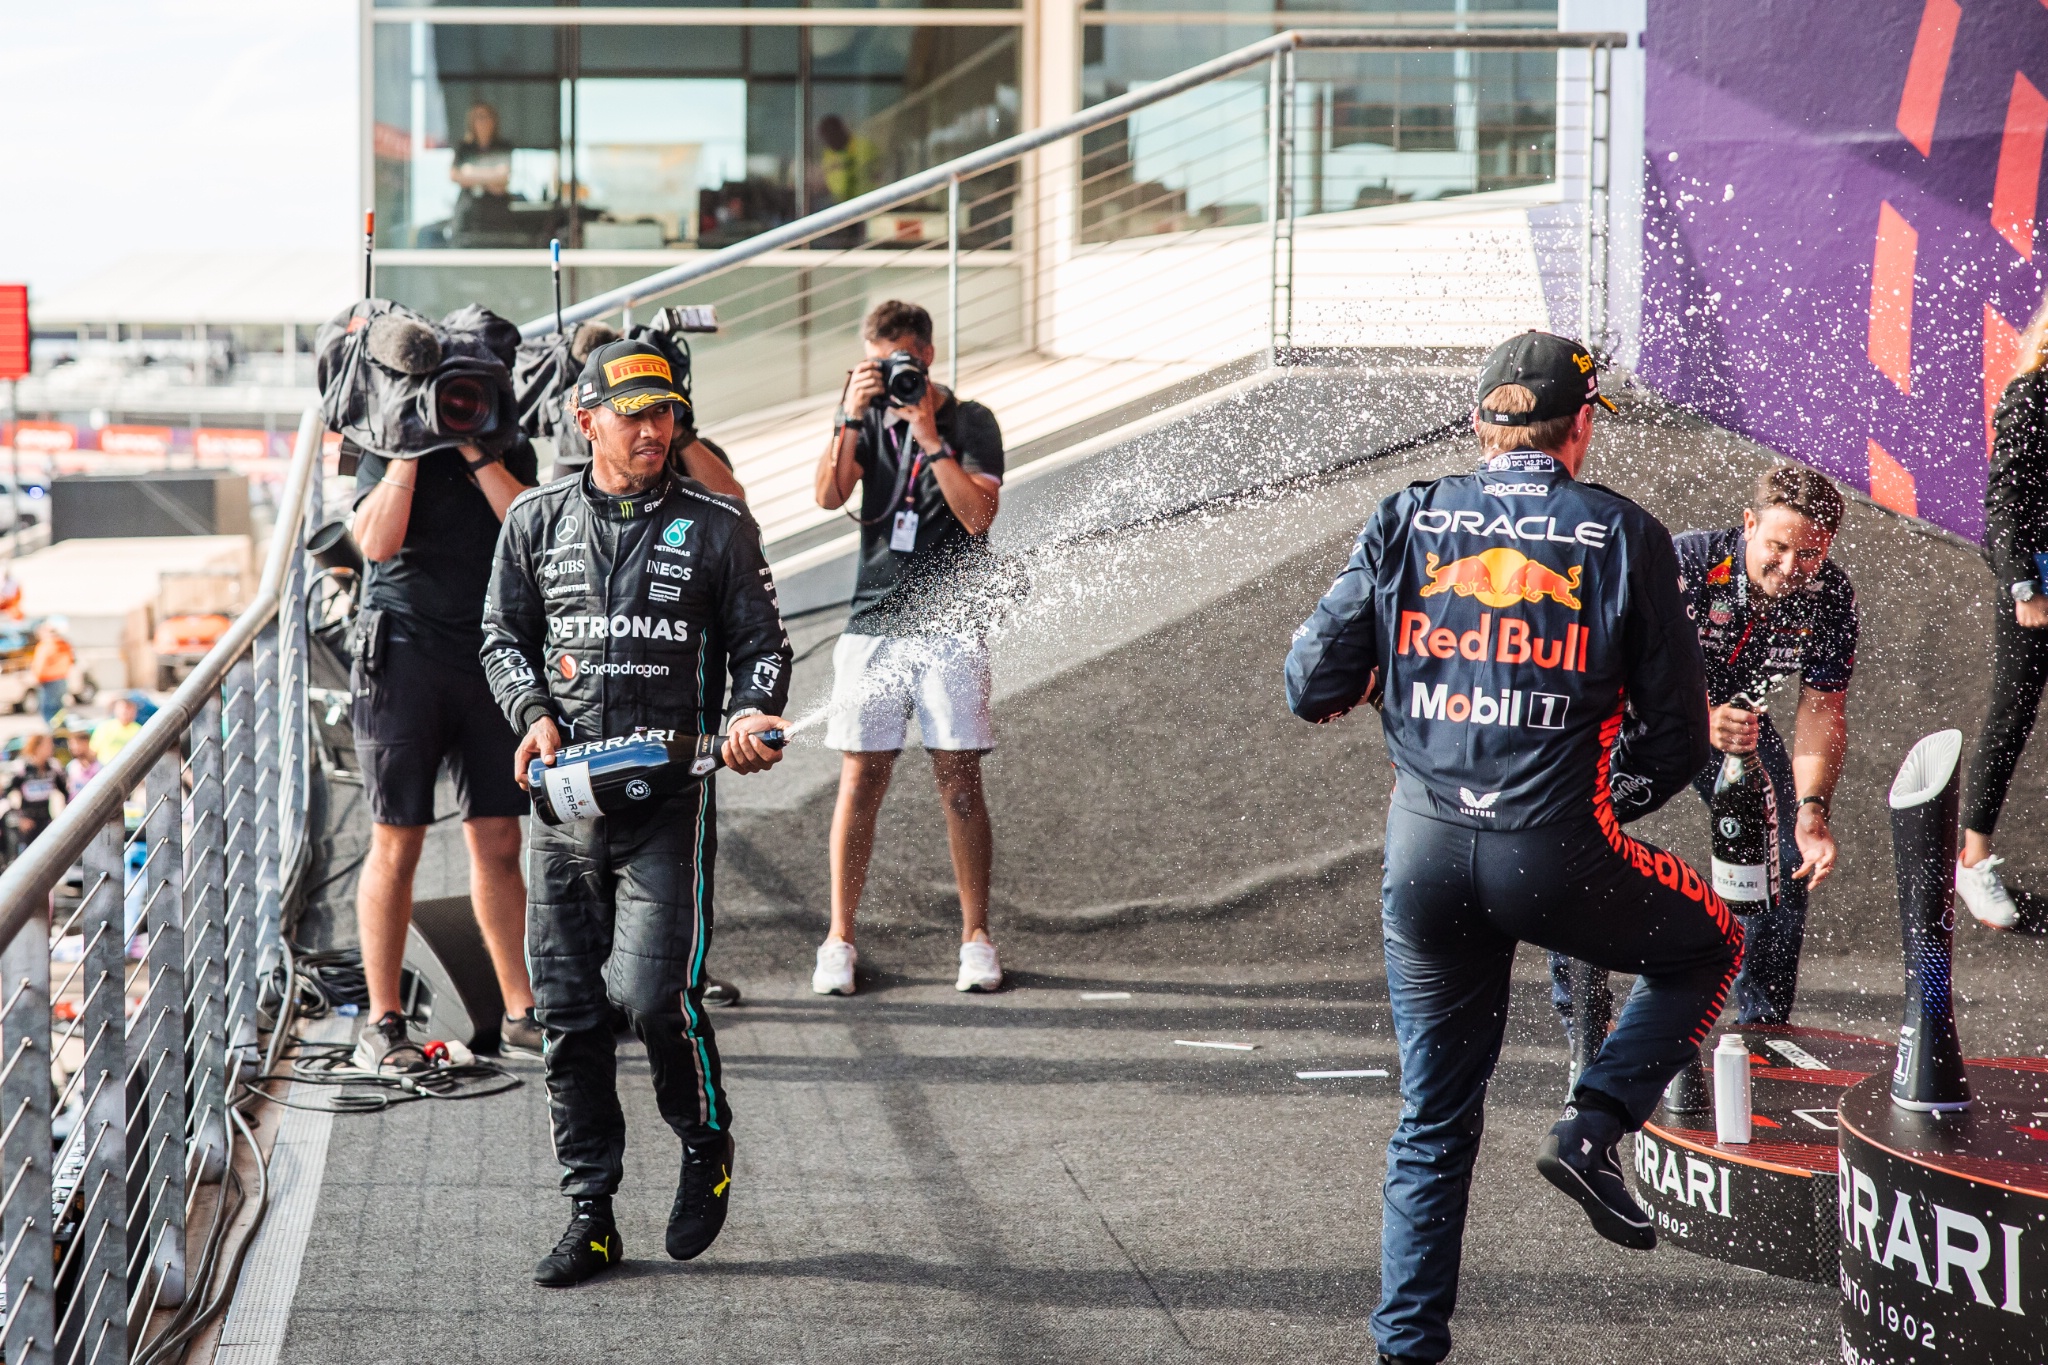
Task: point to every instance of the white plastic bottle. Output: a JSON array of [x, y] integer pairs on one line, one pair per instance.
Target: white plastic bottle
[[1731, 1089]]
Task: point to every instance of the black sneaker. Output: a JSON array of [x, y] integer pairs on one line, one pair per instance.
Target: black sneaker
[[720, 993], [1580, 1158], [590, 1247], [701, 1196], [519, 1035]]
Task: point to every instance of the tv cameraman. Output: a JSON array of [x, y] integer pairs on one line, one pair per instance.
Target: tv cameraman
[[930, 471], [429, 527]]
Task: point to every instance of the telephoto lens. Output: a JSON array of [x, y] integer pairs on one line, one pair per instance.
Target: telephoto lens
[[903, 379], [612, 776]]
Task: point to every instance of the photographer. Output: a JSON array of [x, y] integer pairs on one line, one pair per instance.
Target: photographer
[[930, 471], [428, 527]]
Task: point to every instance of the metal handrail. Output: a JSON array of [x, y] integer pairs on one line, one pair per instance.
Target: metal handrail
[[1095, 116], [26, 884]]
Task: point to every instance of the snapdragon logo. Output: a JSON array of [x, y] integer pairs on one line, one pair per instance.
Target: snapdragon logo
[[1510, 706], [627, 670]]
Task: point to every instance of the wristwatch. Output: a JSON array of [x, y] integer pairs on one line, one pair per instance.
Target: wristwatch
[[1816, 800], [2024, 590]]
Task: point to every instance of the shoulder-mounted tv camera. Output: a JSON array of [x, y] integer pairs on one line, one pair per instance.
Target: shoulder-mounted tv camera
[[400, 385], [545, 375]]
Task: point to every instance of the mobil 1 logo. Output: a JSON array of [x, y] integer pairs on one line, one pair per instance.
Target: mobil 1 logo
[[1509, 706]]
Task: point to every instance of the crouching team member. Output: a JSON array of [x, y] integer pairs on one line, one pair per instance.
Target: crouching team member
[[1769, 603], [1508, 624], [617, 599]]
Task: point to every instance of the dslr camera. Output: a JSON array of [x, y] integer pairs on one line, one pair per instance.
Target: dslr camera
[[400, 385], [904, 379]]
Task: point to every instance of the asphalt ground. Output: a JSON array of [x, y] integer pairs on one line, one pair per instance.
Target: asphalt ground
[[1035, 1176]]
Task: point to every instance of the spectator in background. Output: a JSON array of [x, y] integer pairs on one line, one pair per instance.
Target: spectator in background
[[850, 163], [483, 168], [2016, 539], [52, 663], [483, 164], [33, 788], [111, 735]]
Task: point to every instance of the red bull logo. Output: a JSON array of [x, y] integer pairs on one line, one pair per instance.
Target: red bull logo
[[1501, 577], [1513, 644]]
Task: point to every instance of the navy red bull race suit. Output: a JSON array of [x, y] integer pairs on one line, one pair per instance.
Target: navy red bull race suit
[[1516, 628]]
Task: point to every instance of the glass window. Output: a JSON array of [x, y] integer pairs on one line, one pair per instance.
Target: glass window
[[627, 137], [1370, 129]]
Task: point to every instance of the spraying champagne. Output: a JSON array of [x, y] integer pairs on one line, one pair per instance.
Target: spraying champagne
[[611, 776]]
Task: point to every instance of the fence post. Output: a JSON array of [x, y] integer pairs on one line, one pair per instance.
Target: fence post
[[953, 277], [94, 1268], [30, 1334], [269, 812], [156, 1053], [238, 823], [206, 945]]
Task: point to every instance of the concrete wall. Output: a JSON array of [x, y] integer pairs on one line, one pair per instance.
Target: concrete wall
[[1842, 229]]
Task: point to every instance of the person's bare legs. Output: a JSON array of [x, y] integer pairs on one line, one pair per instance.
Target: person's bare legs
[[498, 892], [384, 909], [863, 782], [1976, 847], [968, 836]]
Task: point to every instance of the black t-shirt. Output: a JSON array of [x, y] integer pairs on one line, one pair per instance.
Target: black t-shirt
[[934, 587], [37, 785], [434, 586]]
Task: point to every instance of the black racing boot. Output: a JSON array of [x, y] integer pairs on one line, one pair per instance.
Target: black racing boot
[[723, 994], [701, 1196], [590, 1247], [1580, 1158]]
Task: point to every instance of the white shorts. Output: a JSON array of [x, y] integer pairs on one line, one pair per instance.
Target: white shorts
[[879, 680]]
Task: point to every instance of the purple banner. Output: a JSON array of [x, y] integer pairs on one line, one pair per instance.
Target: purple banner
[[1843, 229]]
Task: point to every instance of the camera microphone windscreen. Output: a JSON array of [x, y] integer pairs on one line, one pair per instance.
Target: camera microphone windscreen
[[404, 344], [588, 338]]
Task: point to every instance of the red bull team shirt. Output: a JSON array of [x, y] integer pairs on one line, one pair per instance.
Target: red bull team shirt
[[1514, 626]]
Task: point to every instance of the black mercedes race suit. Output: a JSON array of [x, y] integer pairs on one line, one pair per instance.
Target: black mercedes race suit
[[611, 614], [1521, 628]]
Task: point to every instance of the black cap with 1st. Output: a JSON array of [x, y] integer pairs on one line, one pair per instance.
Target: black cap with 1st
[[1559, 371]]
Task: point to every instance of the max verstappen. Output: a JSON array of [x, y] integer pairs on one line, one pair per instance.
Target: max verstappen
[[1519, 631], [617, 598]]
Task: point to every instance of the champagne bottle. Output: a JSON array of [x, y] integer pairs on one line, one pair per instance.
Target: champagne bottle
[[1742, 848], [612, 776]]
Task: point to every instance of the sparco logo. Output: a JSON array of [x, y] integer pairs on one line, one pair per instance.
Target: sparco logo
[[1436, 521], [620, 627]]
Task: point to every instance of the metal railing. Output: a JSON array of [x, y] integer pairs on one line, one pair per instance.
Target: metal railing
[[185, 844], [1150, 240]]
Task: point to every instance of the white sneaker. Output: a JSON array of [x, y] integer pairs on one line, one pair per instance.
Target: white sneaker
[[979, 970], [834, 972], [1985, 894]]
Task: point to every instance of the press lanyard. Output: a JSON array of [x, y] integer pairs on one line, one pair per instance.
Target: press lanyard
[[903, 534]]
